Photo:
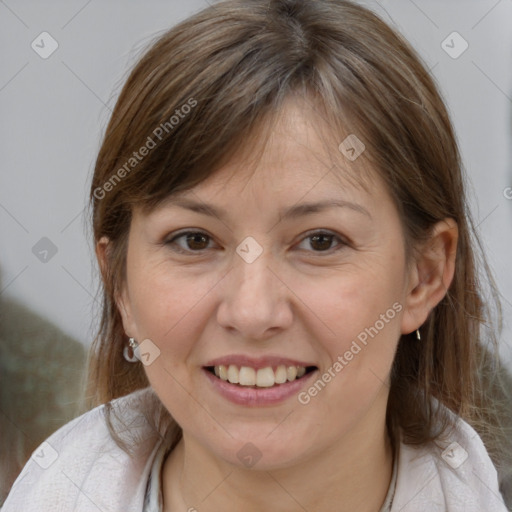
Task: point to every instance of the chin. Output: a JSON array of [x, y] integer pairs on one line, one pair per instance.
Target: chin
[[257, 450]]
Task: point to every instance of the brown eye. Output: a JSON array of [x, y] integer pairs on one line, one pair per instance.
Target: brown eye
[[197, 241], [191, 241], [322, 242]]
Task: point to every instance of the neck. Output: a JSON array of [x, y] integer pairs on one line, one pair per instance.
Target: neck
[[354, 474]]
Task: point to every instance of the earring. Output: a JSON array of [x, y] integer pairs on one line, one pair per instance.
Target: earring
[[129, 351], [418, 335]]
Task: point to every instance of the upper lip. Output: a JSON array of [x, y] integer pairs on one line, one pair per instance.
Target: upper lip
[[256, 362]]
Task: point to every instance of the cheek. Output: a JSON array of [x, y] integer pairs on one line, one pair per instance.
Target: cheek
[[170, 309], [364, 317], [360, 312], [350, 303], [168, 306]]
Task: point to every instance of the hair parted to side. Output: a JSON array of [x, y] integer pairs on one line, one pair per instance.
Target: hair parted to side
[[235, 63]]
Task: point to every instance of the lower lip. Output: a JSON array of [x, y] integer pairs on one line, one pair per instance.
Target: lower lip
[[258, 396]]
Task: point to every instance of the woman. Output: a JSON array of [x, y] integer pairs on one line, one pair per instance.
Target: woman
[[292, 309]]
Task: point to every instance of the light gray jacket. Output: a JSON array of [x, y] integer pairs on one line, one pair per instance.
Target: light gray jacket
[[80, 468]]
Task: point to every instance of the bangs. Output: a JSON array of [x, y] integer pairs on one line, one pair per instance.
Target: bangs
[[247, 148], [209, 103]]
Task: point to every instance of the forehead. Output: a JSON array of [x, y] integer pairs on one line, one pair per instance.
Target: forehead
[[296, 154]]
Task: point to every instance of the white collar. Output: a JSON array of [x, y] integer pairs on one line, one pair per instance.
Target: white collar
[[88, 471]]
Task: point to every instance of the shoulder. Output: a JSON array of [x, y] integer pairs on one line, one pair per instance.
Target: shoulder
[[453, 475], [80, 467]]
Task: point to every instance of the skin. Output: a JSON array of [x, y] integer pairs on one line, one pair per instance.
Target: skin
[[297, 299]]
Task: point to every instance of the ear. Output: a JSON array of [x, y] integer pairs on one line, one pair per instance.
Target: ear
[[123, 304], [430, 275], [102, 248]]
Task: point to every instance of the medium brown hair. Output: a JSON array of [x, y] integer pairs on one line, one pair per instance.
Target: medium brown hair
[[234, 64]]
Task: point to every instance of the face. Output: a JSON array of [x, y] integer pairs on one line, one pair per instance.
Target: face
[[239, 273]]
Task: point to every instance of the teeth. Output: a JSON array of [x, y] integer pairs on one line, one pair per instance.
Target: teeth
[[263, 378], [223, 372], [233, 374], [247, 376], [291, 373], [280, 376]]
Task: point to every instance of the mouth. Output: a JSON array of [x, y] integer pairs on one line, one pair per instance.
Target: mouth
[[257, 378]]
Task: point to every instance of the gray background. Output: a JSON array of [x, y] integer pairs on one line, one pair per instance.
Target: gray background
[[54, 112]]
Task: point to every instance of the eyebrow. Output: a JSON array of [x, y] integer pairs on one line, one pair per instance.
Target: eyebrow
[[295, 211]]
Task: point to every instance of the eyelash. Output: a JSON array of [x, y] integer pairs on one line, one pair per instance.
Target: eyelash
[[172, 242]]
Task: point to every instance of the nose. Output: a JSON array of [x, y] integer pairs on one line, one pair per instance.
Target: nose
[[255, 302]]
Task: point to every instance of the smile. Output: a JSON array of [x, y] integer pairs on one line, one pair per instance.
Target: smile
[[258, 387], [260, 378]]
